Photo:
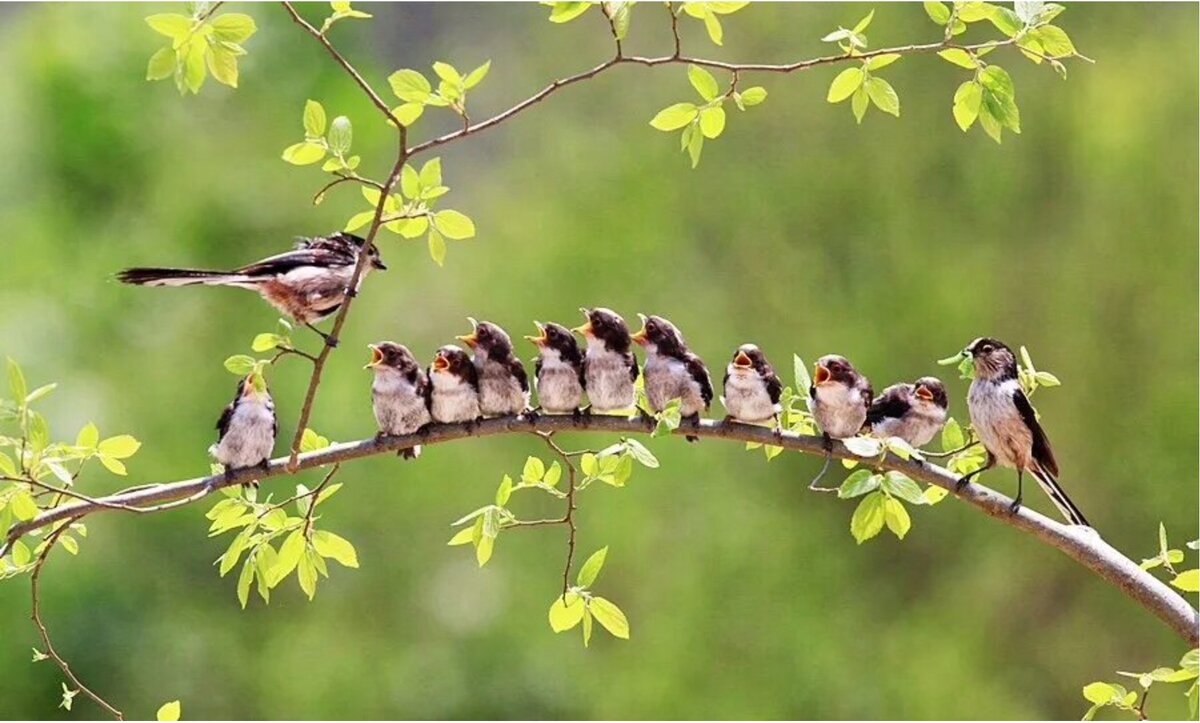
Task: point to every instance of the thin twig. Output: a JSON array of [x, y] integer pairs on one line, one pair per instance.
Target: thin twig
[[308, 515], [568, 517], [343, 179]]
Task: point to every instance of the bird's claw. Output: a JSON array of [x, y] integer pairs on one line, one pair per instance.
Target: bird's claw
[[1015, 506]]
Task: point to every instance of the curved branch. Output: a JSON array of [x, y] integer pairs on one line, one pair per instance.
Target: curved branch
[[1081, 544]]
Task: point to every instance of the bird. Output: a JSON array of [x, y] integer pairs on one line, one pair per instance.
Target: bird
[[454, 394], [247, 428], [838, 399], [503, 383], [1008, 426], [752, 388], [400, 392], [609, 367], [913, 412], [558, 369], [672, 371], [308, 283]]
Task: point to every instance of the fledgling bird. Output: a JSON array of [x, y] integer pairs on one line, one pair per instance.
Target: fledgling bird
[[838, 399], [913, 412], [1008, 426], [454, 393], [558, 369], [247, 428], [672, 371], [400, 392], [752, 388], [308, 283], [503, 383], [609, 367]]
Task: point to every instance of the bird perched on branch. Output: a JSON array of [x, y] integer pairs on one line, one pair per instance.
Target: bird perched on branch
[[454, 396], [400, 393], [838, 399], [913, 412], [558, 369], [503, 383], [247, 428], [308, 283], [673, 371], [752, 388], [1008, 426], [609, 367]]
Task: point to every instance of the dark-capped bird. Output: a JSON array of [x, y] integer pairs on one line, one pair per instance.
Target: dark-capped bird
[[454, 393], [247, 428], [913, 412], [400, 392], [503, 383], [609, 367], [558, 369], [672, 371], [1008, 426], [308, 283], [838, 399], [752, 388]]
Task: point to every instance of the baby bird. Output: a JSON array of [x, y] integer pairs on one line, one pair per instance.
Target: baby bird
[[247, 428], [400, 392], [672, 371], [503, 384], [913, 412], [454, 394], [609, 367], [752, 389], [558, 369], [838, 399]]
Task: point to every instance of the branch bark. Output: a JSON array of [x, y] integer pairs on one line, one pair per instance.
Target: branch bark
[[1080, 544]]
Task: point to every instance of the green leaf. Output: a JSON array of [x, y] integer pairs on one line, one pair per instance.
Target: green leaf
[[22, 505], [844, 85], [882, 61], [194, 54], [306, 574], [1099, 693], [587, 627], [703, 81], [410, 85], [753, 96], [314, 119], [610, 616], [410, 182], [897, 518], [952, 435], [40, 392], [341, 134], [475, 77], [674, 117], [310, 441], [113, 465], [171, 25], [553, 475], [8, 468], [336, 547], [448, 73], [1005, 20], [162, 64], [565, 612], [453, 224], [959, 57], [712, 122], [16, 381], [483, 549], [868, 517], [694, 146], [997, 80], [967, 101], [859, 483], [233, 27], [534, 470], [437, 247], [288, 558], [934, 494], [864, 446], [563, 12], [937, 12], [223, 65], [883, 95], [800, 371], [591, 569], [431, 173], [303, 154], [359, 220], [901, 486], [643, 455], [267, 342], [245, 578], [240, 364], [121, 446], [1055, 41], [865, 22], [465, 536], [504, 491], [1188, 581]]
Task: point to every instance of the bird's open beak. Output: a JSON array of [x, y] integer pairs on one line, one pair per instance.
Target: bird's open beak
[[639, 336], [540, 339], [742, 360], [440, 363], [376, 357], [470, 339], [585, 329], [378, 264], [924, 393], [252, 386], [821, 374]]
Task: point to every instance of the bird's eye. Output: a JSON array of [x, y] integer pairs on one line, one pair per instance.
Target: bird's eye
[[987, 349]]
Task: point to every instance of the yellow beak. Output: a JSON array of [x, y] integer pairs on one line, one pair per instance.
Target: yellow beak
[[376, 357], [924, 393], [540, 339], [440, 363], [821, 374]]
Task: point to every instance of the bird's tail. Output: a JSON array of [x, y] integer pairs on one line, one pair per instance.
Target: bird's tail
[[1059, 497], [150, 276]]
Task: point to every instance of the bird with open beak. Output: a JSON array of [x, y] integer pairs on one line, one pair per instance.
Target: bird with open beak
[[672, 371], [558, 370], [838, 399], [399, 393], [247, 428], [1008, 426], [752, 388], [503, 384], [454, 393], [913, 412], [609, 367]]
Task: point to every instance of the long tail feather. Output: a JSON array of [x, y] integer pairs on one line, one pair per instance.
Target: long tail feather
[[1059, 497], [150, 276]]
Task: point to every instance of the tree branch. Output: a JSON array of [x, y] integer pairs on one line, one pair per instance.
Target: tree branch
[[1081, 544]]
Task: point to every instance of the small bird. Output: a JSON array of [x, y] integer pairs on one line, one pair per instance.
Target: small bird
[[1008, 426], [455, 387], [913, 412], [400, 392], [838, 399], [308, 283], [247, 428], [672, 371], [503, 384], [752, 388], [558, 369], [609, 367]]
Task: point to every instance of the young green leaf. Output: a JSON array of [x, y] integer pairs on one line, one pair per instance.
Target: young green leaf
[[565, 612], [897, 518], [591, 569], [674, 117], [868, 517], [703, 81], [883, 95], [844, 85], [336, 547], [610, 616], [453, 224]]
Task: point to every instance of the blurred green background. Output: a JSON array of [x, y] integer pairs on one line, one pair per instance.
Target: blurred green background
[[893, 243]]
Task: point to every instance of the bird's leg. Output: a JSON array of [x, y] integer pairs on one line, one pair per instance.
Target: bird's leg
[[778, 427], [962, 481], [1016, 504], [329, 338], [728, 419], [577, 414], [265, 464], [693, 420], [531, 414], [827, 444]]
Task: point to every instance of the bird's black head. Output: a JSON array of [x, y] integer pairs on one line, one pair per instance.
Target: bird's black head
[[451, 359], [661, 334], [390, 355], [832, 368], [932, 391], [606, 325], [749, 357], [993, 359], [488, 338], [556, 337]]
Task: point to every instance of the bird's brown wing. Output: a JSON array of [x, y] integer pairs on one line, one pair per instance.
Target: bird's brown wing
[[1042, 452], [697, 370], [282, 263], [892, 403], [517, 369]]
